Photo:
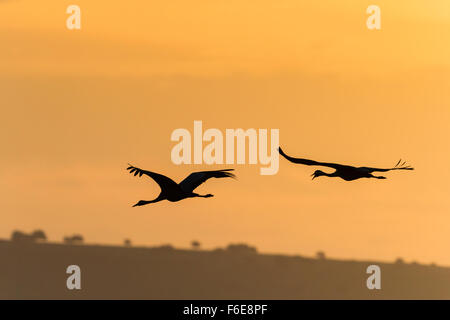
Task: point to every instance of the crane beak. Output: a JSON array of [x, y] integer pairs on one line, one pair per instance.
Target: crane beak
[[313, 176]]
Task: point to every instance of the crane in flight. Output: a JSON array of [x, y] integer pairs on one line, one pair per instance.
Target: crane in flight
[[348, 173], [172, 191]]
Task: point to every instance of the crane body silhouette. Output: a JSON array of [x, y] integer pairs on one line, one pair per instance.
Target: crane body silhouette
[[345, 172], [172, 191]]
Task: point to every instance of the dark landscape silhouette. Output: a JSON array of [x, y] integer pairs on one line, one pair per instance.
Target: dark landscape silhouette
[[172, 191], [345, 172], [35, 236], [75, 239], [36, 269]]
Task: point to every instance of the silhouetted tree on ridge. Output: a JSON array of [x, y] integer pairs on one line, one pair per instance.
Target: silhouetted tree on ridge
[[241, 248], [127, 243], [35, 236], [74, 239], [195, 245]]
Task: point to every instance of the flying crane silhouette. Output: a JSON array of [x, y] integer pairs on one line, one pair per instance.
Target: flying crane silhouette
[[348, 173], [172, 191]]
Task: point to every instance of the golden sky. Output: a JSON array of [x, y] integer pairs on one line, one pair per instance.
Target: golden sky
[[78, 105]]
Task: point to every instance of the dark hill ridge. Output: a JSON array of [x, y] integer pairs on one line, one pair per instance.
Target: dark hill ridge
[[38, 271]]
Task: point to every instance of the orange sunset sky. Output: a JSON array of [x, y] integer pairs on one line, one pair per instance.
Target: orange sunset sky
[[78, 105]]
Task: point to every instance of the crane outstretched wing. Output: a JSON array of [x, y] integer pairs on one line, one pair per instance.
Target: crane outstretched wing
[[163, 181], [197, 178], [310, 162], [399, 166]]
